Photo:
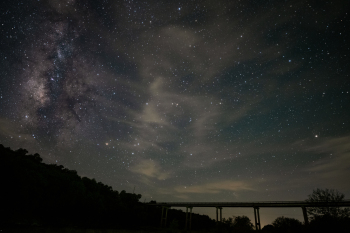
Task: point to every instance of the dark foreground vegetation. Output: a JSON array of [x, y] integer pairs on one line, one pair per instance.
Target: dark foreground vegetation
[[38, 194], [39, 197]]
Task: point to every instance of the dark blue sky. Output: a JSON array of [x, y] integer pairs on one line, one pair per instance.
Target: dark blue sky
[[183, 101]]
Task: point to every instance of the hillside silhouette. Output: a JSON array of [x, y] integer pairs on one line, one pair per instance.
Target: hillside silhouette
[[38, 194]]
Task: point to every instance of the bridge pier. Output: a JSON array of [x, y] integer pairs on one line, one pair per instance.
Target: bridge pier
[[220, 208], [188, 221], [306, 219], [164, 218], [257, 218], [220, 214]]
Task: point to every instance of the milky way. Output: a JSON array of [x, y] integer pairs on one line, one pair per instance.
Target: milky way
[[186, 101]]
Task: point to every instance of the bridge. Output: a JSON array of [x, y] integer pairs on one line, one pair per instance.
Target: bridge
[[255, 205]]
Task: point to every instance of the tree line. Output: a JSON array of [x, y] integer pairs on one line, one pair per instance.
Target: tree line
[[37, 194]]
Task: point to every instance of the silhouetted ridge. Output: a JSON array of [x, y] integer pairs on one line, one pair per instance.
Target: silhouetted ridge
[[38, 194]]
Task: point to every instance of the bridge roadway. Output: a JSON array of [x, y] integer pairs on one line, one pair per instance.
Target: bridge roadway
[[256, 205]]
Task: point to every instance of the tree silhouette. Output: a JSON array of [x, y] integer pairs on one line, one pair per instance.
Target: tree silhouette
[[327, 195], [283, 223], [268, 227], [241, 224]]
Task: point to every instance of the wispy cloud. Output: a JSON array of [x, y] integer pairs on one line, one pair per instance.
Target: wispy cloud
[[150, 169], [336, 162]]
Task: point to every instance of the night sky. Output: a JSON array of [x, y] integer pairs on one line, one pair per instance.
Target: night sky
[[183, 100]]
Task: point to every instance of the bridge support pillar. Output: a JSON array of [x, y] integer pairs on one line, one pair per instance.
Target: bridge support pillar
[[188, 220], [164, 218], [306, 220], [257, 218], [220, 214], [218, 208]]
